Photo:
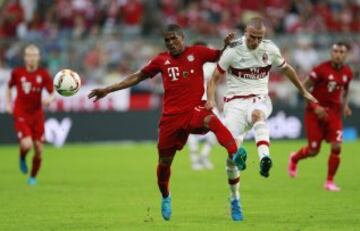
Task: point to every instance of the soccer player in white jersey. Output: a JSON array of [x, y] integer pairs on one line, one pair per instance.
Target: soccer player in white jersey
[[247, 64]]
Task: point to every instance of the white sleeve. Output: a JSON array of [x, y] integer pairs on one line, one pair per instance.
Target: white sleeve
[[225, 60], [277, 59]]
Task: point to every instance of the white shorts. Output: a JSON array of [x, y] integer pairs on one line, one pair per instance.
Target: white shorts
[[238, 113]]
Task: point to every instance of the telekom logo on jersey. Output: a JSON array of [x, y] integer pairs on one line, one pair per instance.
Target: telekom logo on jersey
[[173, 73]]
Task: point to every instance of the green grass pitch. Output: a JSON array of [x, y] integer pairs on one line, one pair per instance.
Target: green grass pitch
[[113, 187]]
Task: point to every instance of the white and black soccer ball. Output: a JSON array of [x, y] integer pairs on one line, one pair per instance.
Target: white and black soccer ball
[[67, 82]]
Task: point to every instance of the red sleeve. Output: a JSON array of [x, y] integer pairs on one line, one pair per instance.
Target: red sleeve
[[315, 74], [12, 80], [208, 54], [350, 76], [152, 68], [48, 82]]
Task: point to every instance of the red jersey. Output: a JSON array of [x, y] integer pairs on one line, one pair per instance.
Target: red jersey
[[29, 86], [329, 84], [182, 76]]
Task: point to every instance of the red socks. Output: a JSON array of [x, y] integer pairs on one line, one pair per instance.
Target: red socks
[[301, 154], [163, 177], [223, 135], [35, 166], [333, 164]]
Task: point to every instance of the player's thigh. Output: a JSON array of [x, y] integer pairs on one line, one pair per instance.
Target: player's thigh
[[314, 130], [260, 103], [198, 120], [235, 117], [38, 129], [170, 128], [334, 129], [22, 128]]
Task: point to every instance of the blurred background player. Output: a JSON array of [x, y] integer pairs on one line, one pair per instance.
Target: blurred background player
[[29, 82], [329, 83], [247, 63], [200, 146], [183, 109]]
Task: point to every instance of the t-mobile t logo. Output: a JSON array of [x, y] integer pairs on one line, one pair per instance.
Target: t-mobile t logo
[[173, 73]]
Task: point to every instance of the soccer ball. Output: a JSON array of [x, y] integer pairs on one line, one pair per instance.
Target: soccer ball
[[67, 82]]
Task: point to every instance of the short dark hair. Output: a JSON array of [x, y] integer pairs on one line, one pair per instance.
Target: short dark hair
[[175, 28], [342, 43]]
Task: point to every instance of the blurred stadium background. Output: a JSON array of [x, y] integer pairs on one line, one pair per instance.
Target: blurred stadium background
[[104, 40]]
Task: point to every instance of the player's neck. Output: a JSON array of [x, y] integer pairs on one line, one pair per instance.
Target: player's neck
[[31, 68], [337, 66]]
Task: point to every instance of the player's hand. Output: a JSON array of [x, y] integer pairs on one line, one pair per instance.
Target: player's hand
[[229, 37], [98, 93], [308, 96], [321, 112], [8, 109], [210, 104], [46, 102], [347, 111]]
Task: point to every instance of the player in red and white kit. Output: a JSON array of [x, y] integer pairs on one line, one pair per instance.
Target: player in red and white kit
[[329, 82], [181, 68], [28, 114]]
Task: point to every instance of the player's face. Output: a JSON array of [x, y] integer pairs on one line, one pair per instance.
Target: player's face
[[338, 54], [32, 57], [174, 43], [254, 37]]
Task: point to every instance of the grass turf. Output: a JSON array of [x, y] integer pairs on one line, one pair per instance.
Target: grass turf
[[113, 187]]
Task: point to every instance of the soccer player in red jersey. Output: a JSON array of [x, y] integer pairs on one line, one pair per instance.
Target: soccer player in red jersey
[[28, 114], [183, 111], [329, 82]]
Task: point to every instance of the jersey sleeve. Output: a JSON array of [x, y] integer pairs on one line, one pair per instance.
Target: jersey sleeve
[[277, 59], [48, 82], [315, 74], [225, 60], [350, 77], [152, 68], [208, 54], [12, 80]]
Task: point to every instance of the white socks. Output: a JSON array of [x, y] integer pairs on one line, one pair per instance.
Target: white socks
[[262, 138], [233, 174]]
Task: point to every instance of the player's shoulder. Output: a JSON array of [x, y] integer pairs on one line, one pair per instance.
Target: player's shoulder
[[19, 69], [160, 57], [269, 45]]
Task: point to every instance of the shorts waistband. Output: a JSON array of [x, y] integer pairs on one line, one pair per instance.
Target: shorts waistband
[[239, 97]]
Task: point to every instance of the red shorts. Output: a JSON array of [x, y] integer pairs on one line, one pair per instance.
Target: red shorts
[[329, 129], [175, 129], [30, 126]]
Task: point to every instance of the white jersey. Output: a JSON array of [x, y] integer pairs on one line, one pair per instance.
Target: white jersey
[[208, 70], [247, 71]]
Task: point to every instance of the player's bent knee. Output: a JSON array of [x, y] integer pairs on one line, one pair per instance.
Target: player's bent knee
[[336, 149], [207, 120], [165, 160], [257, 115], [26, 144], [313, 152]]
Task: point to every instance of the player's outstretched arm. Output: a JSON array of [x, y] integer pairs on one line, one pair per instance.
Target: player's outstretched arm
[[129, 81], [347, 109], [293, 77], [211, 89], [8, 98]]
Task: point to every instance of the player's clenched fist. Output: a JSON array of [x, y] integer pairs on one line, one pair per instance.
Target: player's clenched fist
[[210, 104]]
